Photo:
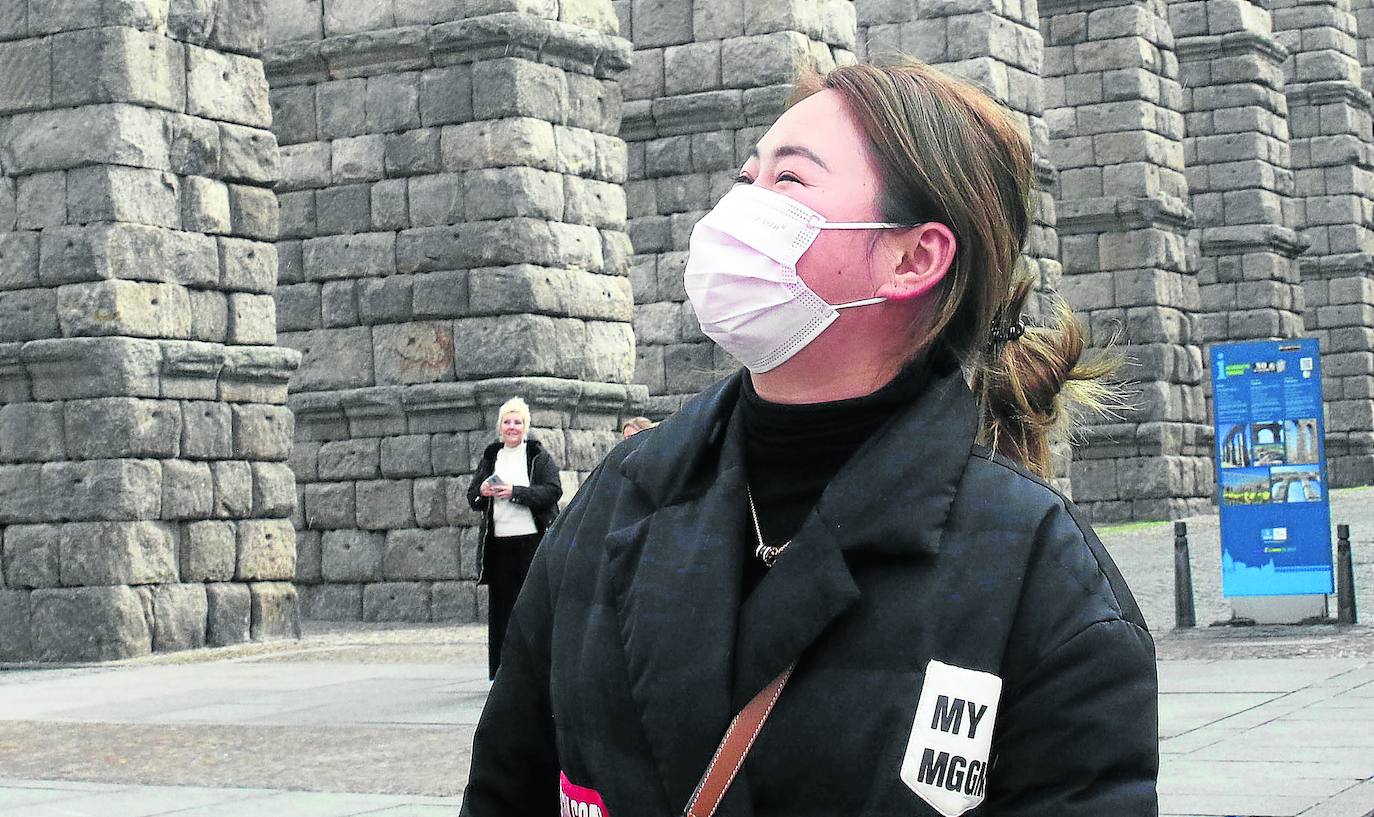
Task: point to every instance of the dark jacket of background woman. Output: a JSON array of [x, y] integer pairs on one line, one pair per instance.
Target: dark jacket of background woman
[[540, 496]]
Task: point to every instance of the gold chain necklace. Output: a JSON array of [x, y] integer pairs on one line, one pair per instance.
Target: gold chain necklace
[[768, 553]]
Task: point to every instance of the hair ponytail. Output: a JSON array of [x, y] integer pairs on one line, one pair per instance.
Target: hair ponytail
[[1033, 388]]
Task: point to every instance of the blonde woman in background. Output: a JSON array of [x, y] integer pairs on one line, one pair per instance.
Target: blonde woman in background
[[516, 487]]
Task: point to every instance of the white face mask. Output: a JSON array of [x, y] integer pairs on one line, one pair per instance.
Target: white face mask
[[742, 277]]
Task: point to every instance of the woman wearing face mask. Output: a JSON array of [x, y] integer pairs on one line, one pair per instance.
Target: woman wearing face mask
[[516, 487], [851, 543]]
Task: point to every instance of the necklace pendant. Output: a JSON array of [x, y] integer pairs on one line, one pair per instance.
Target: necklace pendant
[[769, 553]]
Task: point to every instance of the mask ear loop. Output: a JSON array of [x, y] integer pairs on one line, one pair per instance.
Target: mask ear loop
[[860, 225]]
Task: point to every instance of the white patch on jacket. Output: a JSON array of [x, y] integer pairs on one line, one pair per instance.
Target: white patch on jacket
[[946, 761]]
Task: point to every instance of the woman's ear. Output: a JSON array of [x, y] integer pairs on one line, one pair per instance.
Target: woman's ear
[[927, 254]]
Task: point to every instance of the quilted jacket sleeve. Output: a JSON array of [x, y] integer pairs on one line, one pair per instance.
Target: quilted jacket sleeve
[[1080, 734]]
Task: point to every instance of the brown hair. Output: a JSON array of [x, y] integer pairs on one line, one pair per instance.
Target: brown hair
[[947, 152]]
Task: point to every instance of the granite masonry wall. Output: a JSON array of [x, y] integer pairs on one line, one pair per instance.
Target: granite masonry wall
[[453, 233], [144, 491]]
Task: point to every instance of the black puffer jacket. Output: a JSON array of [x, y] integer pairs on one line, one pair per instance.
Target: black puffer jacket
[[541, 496], [930, 573]]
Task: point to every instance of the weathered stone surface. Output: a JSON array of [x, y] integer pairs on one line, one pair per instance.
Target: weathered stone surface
[[123, 427], [229, 614], [188, 490], [31, 432], [31, 556], [88, 624], [266, 550], [208, 552], [100, 553], [276, 613], [329, 505], [331, 602], [14, 625], [421, 555], [454, 602], [396, 601], [233, 489], [352, 556], [180, 614], [274, 490], [123, 489], [263, 432]]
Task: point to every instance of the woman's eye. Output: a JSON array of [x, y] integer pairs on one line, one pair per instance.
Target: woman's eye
[[743, 179], [788, 177]]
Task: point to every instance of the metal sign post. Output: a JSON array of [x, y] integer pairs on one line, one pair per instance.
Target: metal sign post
[[1271, 479]]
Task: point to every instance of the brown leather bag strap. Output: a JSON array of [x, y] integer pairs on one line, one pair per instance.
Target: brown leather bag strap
[[739, 737]]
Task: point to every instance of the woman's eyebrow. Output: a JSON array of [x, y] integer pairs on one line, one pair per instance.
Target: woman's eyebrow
[[793, 150]]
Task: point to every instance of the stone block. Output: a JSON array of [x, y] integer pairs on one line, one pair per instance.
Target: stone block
[[253, 212], [406, 456], [229, 614], [28, 315], [116, 133], [385, 504], [522, 141], [274, 490], [441, 294], [31, 554], [188, 490], [18, 255], [101, 553], [386, 300], [276, 611], [88, 624], [421, 554], [226, 87], [263, 432], [25, 75], [31, 432], [129, 308], [308, 558], [436, 200], [266, 550], [393, 102], [298, 217], [329, 505], [118, 65], [350, 459], [206, 431], [233, 480], [344, 209], [389, 205], [15, 612], [358, 159], [513, 191], [208, 552], [109, 490], [446, 95], [524, 345], [305, 166], [41, 200], [351, 555], [247, 266], [332, 602], [204, 205], [660, 22], [180, 614], [248, 154], [252, 319], [454, 602], [127, 251], [413, 353], [117, 427], [294, 118], [511, 87], [339, 304], [21, 496], [342, 106], [431, 502], [396, 601], [351, 256]]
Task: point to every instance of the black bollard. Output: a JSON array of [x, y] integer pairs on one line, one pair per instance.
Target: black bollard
[[1184, 614], [1345, 578]]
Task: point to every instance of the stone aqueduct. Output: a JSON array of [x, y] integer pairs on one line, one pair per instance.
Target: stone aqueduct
[[266, 270]]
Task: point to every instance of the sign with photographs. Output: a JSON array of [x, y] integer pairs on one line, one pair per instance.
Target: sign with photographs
[[1271, 468]]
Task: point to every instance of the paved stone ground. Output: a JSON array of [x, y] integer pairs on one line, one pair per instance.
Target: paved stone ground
[[377, 719]]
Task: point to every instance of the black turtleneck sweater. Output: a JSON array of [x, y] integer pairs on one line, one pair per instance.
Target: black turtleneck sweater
[[793, 451]]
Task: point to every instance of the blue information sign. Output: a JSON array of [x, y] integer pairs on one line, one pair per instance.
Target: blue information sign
[[1271, 468]]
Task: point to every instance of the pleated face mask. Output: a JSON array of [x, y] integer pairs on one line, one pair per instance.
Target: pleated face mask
[[741, 276]]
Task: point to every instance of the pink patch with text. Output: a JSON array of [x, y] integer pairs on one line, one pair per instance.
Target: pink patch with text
[[577, 801]]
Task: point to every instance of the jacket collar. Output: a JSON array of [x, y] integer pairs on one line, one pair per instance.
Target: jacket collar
[[908, 470], [695, 655]]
